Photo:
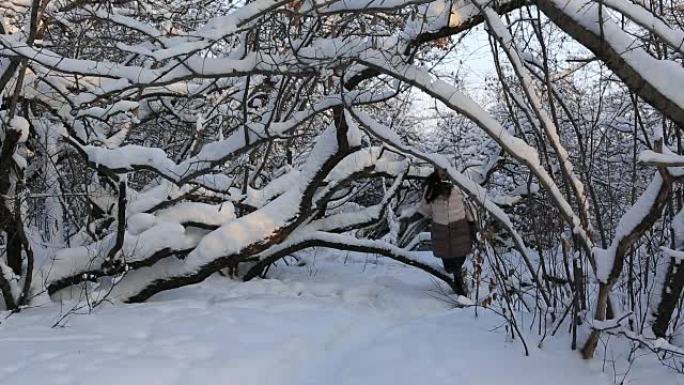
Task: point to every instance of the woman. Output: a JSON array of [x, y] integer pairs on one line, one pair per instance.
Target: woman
[[453, 230]]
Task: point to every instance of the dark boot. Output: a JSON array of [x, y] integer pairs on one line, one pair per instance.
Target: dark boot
[[459, 284]]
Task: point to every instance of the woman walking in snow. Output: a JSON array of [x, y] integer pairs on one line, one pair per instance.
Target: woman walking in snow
[[453, 228]]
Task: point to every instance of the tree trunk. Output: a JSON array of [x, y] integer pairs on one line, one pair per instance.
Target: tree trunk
[[601, 306], [671, 292]]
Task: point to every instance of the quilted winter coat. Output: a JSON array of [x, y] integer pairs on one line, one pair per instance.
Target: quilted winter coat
[[451, 221]]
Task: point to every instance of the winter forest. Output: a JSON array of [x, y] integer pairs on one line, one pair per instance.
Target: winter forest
[[228, 191]]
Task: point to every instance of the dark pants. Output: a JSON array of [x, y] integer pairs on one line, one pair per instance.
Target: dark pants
[[455, 266]]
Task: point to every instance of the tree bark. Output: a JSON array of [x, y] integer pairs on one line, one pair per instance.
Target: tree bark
[[7, 219], [671, 292]]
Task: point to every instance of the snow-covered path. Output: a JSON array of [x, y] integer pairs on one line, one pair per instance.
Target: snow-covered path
[[323, 323]]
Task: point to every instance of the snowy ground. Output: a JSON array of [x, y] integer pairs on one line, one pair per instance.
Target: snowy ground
[[366, 321]]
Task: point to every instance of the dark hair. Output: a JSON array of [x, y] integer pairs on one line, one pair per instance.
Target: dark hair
[[435, 186]]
